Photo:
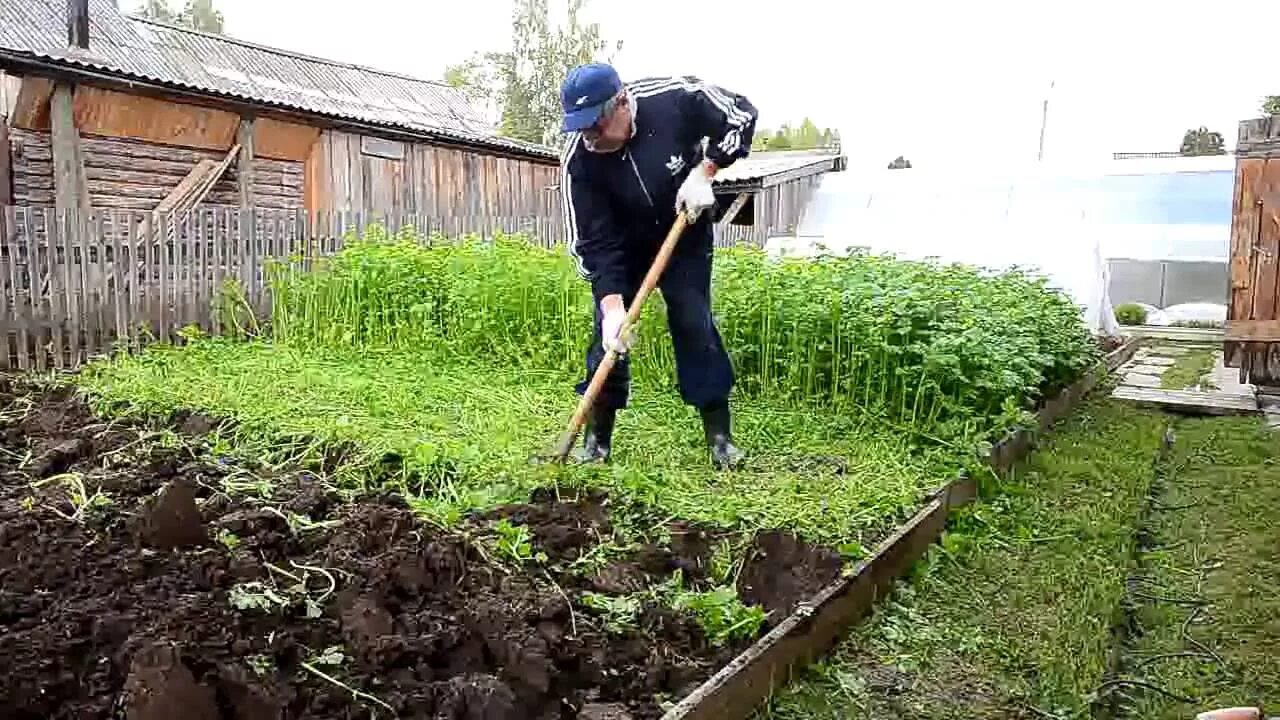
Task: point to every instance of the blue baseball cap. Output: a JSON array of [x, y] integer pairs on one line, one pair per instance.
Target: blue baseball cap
[[584, 93]]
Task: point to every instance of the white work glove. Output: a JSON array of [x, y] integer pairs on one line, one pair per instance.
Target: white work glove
[[611, 334], [695, 194]]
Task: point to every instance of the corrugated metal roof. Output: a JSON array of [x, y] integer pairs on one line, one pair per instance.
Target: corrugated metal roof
[[129, 46], [759, 165]]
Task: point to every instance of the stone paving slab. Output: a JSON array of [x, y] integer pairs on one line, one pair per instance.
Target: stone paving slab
[[1140, 380], [1161, 360]]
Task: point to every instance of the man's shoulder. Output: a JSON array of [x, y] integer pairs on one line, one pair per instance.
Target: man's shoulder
[[662, 85]]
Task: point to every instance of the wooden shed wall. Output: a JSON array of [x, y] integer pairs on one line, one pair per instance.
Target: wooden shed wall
[[1253, 316], [349, 172], [137, 175]]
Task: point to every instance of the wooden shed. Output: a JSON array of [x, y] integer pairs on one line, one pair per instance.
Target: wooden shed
[[1252, 340], [105, 110], [771, 191]]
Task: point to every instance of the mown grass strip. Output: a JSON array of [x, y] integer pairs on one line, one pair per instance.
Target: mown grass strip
[[456, 435], [1012, 615], [1207, 610]]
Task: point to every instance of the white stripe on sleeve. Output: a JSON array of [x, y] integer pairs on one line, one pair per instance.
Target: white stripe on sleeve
[[566, 200]]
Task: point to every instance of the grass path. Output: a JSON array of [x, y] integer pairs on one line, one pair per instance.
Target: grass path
[[1207, 604], [1098, 583]]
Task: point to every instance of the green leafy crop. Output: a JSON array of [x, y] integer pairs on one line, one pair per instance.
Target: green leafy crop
[[916, 342]]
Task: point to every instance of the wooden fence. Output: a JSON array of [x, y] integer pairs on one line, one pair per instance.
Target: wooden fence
[[75, 287], [72, 287]]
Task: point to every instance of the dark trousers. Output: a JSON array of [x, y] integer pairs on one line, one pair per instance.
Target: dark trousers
[[703, 371]]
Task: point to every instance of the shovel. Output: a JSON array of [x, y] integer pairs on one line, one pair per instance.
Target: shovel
[[565, 444]]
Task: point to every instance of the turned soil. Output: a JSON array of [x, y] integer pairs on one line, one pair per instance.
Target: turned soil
[[133, 585]]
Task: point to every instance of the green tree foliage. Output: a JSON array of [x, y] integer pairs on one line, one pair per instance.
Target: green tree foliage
[[900, 163], [195, 14], [1271, 105], [807, 136], [1201, 141], [523, 84], [157, 10]]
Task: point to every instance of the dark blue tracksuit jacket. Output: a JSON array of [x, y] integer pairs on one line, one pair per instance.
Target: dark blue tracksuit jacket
[[619, 207]]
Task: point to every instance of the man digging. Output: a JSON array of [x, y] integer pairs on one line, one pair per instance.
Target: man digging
[[634, 157]]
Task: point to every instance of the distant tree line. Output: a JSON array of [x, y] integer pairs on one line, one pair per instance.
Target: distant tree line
[[1202, 141], [807, 136], [521, 86], [195, 14]]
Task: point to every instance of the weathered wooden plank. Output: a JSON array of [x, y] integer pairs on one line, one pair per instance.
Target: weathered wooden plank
[[70, 193], [6, 176], [172, 199], [1267, 268], [178, 268], [408, 183], [167, 223], [23, 312], [8, 264], [734, 209], [1190, 401], [87, 274], [244, 163], [204, 258], [1244, 237], [145, 273], [251, 238], [1252, 331], [67, 239], [31, 109], [381, 148], [282, 140], [316, 192], [221, 237], [113, 114], [132, 267], [427, 180]]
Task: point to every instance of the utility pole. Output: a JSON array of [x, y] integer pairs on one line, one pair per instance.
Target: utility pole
[[1044, 120]]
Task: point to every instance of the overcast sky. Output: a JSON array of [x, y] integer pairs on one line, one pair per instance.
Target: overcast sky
[[943, 82]]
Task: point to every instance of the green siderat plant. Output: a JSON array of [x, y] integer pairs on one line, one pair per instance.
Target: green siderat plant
[[1131, 314], [921, 343]]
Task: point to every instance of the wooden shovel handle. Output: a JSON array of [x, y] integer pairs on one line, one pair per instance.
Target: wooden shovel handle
[[565, 443]]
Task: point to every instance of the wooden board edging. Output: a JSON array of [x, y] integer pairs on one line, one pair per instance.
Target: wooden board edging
[[1173, 332], [818, 623]]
